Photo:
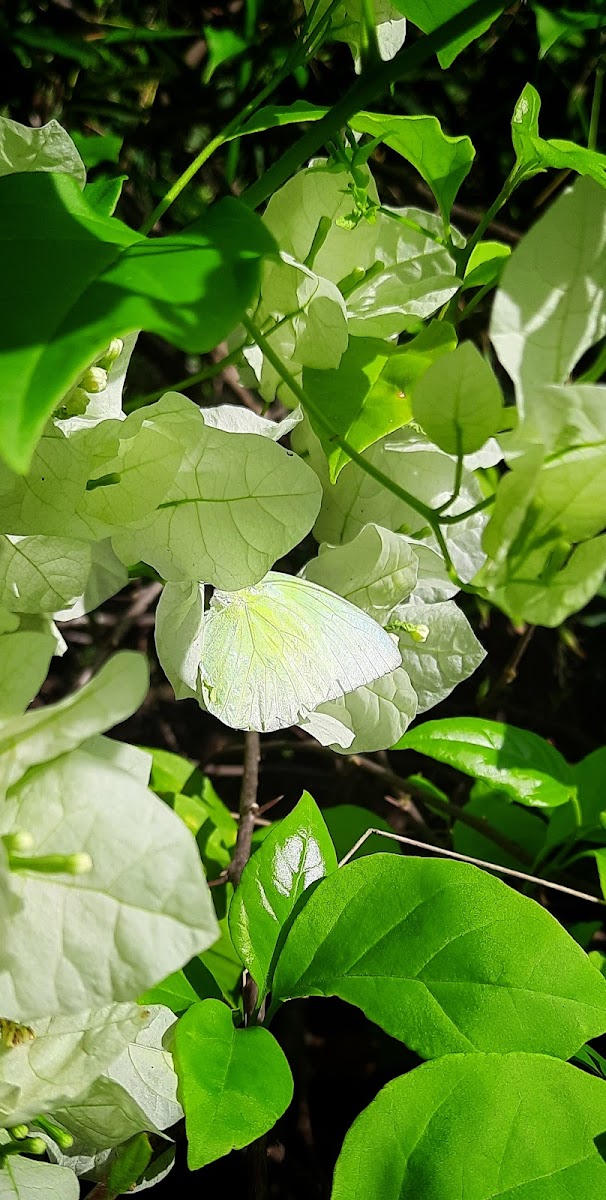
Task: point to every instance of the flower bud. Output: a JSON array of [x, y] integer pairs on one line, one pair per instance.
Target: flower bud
[[94, 380], [52, 864], [109, 356]]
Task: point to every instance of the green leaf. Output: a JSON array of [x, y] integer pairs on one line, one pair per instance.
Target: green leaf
[[295, 854], [170, 772], [368, 394], [517, 824], [233, 1083], [183, 988], [511, 760], [442, 161], [520, 1125], [25, 1179], [47, 732], [375, 571], [94, 279], [458, 401], [444, 957], [347, 822], [430, 16], [236, 504], [439, 649], [222, 46], [103, 194], [485, 264], [129, 1165], [534, 153], [42, 574], [302, 644], [179, 634], [64, 1056], [551, 304], [49, 148], [97, 148], [143, 910], [24, 662]]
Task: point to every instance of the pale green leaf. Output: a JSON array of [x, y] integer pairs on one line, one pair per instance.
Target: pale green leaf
[[47, 732], [42, 574], [137, 1091], [551, 307], [142, 911], [107, 576], [48, 148], [237, 503], [368, 719], [375, 571], [24, 662], [302, 645], [458, 401], [234, 418], [511, 1125], [233, 1083], [438, 646], [61, 1060], [26, 1179], [444, 957], [179, 634]]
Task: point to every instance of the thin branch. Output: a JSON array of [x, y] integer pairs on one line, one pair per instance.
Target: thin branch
[[249, 809], [476, 862], [510, 670]]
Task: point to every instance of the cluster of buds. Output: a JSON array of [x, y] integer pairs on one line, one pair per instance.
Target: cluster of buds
[[92, 382]]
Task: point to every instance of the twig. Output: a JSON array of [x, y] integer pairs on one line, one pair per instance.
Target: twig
[[476, 862], [510, 670], [249, 809]]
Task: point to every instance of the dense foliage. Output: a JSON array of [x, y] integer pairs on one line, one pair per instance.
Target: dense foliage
[[435, 470]]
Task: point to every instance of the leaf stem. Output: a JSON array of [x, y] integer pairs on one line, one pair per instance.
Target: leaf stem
[[511, 183], [596, 103]]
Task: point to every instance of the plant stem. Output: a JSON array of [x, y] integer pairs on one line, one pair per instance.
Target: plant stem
[[507, 190], [596, 103], [209, 372], [443, 806], [248, 806], [371, 84]]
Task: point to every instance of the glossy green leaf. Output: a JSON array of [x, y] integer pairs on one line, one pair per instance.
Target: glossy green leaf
[[458, 401], [444, 957], [375, 571], [348, 24], [485, 264], [94, 280], [97, 148], [129, 1165], [511, 760], [295, 854], [223, 46], [442, 161], [519, 1125], [430, 16], [183, 988], [103, 194], [369, 394], [233, 1083]]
